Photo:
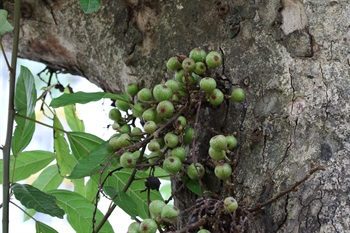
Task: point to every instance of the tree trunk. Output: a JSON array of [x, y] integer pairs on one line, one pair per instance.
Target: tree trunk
[[291, 57]]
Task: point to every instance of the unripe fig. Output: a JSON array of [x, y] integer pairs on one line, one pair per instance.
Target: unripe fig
[[198, 54], [132, 89], [161, 142], [173, 85], [153, 145], [173, 63], [238, 95], [156, 207], [113, 142], [136, 154], [200, 68], [213, 59], [231, 142], [149, 115], [216, 155], [188, 79], [223, 171], [138, 109], [170, 213], [179, 75], [165, 109], [144, 95], [182, 89], [172, 165], [181, 121], [188, 136], [162, 92], [188, 65], [207, 84], [150, 127], [218, 142], [128, 160], [148, 226], [134, 227], [124, 140], [203, 231], [179, 152], [171, 140], [230, 204], [175, 98], [158, 117], [216, 97], [154, 156], [114, 114], [115, 126], [195, 171], [122, 105], [136, 130], [125, 129]]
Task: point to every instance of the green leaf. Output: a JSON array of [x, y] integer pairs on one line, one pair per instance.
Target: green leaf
[[71, 115], [25, 99], [79, 211], [72, 119], [28, 163], [159, 172], [89, 6], [87, 190], [5, 26], [33, 198], [192, 185], [79, 186], [165, 190], [48, 179], [136, 190], [43, 228], [65, 160], [70, 112], [84, 97], [82, 143], [123, 201], [92, 162], [91, 189]]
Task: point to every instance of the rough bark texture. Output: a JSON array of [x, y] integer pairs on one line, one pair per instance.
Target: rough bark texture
[[291, 57]]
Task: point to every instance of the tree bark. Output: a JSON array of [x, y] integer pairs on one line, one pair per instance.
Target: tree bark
[[292, 58]]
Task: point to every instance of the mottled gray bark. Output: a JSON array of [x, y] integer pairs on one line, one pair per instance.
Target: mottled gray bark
[[291, 57]]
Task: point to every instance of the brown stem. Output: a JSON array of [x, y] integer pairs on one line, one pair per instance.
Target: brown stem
[[10, 121]]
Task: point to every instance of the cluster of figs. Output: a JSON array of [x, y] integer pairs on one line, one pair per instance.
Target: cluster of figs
[[169, 130]]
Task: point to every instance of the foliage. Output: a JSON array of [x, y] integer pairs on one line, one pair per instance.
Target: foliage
[[25, 100], [89, 6], [5, 26], [33, 198]]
